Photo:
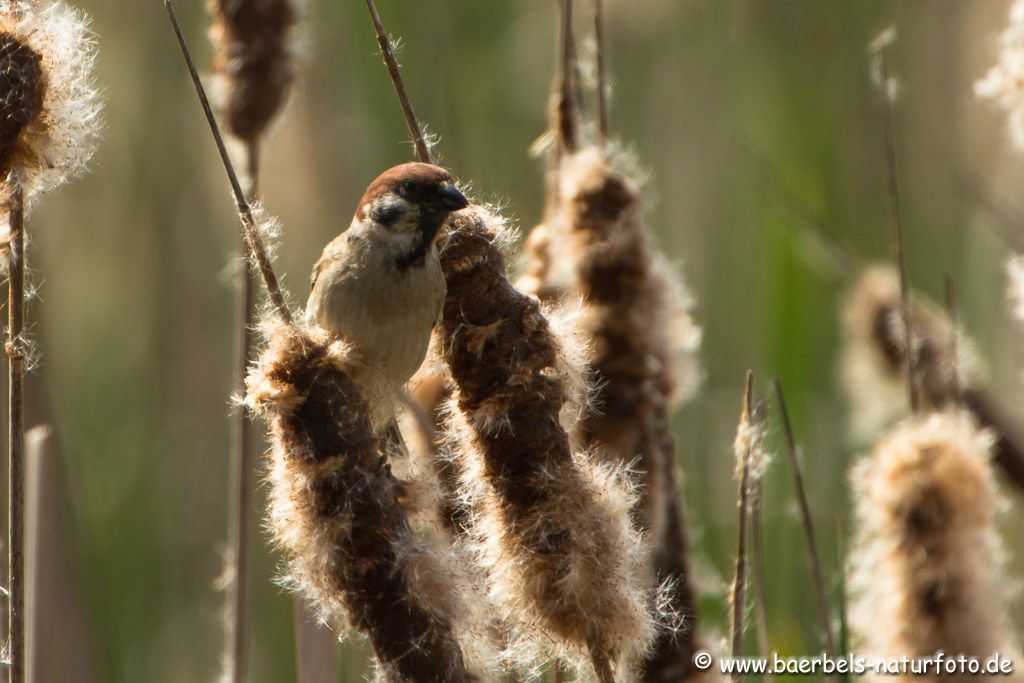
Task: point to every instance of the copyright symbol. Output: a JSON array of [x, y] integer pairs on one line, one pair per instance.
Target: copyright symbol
[[702, 660]]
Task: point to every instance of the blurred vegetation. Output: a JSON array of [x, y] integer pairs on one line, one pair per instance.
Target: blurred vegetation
[[135, 309]]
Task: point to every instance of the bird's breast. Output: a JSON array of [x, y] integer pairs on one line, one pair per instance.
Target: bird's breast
[[386, 316]]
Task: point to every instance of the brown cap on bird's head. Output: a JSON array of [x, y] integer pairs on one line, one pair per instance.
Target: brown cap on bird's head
[[426, 184]]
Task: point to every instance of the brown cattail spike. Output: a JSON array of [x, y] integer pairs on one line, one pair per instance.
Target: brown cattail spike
[[553, 528], [925, 568], [23, 86], [334, 508], [253, 61], [874, 358]]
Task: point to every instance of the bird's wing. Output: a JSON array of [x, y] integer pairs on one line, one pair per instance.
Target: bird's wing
[[316, 272], [332, 252]]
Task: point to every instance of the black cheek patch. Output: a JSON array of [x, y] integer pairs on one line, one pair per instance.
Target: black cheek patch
[[387, 215]]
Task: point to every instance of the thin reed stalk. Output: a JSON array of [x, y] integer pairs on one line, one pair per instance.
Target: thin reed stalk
[[566, 102], [760, 593], [15, 349], [814, 559], [744, 448], [316, 646], [240, 457], [253, 74], [602, 78], [257, 251], [418, 140], [887, 88], [41, 506]]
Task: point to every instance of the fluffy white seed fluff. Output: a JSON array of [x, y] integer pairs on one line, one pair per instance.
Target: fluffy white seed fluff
[[59, 143], [1004, 82]]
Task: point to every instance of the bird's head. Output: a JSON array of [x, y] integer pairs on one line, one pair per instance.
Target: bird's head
[[411, 202]]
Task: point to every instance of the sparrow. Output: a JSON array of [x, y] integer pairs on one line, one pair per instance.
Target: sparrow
[[378, 285]]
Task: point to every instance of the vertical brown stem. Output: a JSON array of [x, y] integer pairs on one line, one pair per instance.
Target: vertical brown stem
[[38, 473], [253, 240], [568, 121], [805, 516], [760, 593], [897, 223], [739, 586], [16, 430], [602, 79], [240, 497], [316, 647], [419, 142]]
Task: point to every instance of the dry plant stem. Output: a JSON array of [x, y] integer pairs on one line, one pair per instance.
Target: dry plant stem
[[567, 117], [16, 430], [39, 475], [740, 574], [419, 142], [252, 238], [236, 636], [897, 224], [808, 524], [602, 81], [760, 595], [1007, 453], [316, 647]]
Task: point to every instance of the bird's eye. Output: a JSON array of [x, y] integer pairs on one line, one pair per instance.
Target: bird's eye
[[410, 188]]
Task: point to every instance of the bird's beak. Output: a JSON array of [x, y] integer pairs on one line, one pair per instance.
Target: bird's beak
[[450, 199]]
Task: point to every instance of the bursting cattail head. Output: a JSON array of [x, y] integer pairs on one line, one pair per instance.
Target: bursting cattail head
[[552, 527], [49, 108], [1004, 82], [925, 567], [874, 360], [253, 63], [334, 508], [633, 291]]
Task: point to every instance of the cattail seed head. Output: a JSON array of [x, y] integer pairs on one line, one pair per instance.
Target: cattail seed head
[[21, 79], [335, 510], [641, 348], [1004, 82], [253, 63], [552, 527], [49, 110], [874, 366], [925, 567]]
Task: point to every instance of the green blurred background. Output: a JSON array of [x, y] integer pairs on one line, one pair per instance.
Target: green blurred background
[[135, 308]]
